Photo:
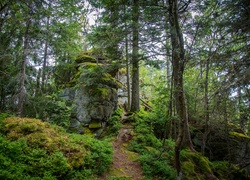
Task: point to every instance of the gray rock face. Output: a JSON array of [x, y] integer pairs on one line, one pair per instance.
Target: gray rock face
[[93, 104], [88, 110]]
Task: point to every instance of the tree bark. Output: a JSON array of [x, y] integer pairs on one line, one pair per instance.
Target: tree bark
[[178, 61], [45, 56], [23, 68], [127, 65], [206, 108], [241, 116], [135, 102]]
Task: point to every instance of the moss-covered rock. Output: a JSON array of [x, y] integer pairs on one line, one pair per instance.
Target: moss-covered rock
[[188, 168], [95, 125], [239, 135], [83, 57], [195, 165], [227, 142], [95, 94]]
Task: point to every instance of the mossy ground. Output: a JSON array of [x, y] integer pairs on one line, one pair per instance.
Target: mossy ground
[[39, 150]]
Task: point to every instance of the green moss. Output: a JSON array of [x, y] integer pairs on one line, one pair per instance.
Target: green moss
[[95, 125], [104, 92], [78, 150], [89, 65], [202, 164], [241, 135], [220, 168], [118, 112], [84, 58], [110, 81], [188, 169], [122, 71], [132, 156], [88, 132]]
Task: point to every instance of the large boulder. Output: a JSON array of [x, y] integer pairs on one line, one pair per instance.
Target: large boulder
[[94, 97], [225, 143]]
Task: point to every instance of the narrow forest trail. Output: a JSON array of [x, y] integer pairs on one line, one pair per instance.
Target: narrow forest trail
[[125, 163]]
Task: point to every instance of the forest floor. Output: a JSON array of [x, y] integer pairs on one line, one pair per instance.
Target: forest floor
[[125, 163]]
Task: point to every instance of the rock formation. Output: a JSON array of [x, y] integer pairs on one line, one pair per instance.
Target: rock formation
[[94, 95]]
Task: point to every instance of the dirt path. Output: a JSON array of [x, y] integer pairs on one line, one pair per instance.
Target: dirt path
[[125, 163]]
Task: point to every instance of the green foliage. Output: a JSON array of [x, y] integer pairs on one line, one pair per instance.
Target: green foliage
[[19, 161], [221, 168], [144, 132], [100, 157], [226, 170], [96, 75], [188, 169], [148, 146], [239, 135], [64, 75], [56, 111], [50, 108], [158, 167], [3, 116], [114, 123], [31, 149]]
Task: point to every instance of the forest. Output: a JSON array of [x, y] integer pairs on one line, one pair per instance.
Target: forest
[[125, 90]]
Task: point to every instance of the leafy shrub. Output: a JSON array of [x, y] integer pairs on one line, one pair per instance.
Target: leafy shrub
[[50, 108], [115, 125], [114, 122], [3, 116], [56, 111], [31, 149], [155, 165], [99, 155], [144, 134], [19, 161]]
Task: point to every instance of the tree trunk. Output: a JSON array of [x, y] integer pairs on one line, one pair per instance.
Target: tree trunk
[[128, 75], [178, 61], [38, 88], [45, 56], [241, 116], [127, 65], [2, 101], [23, 68], [135, 103], [206, 109]]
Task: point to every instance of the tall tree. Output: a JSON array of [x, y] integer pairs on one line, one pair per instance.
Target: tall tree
[[23, 68], [178, 61], [135, 103], [21, 41]]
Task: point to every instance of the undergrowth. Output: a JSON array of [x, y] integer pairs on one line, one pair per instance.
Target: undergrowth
[[31, 149], [155, 164], [114, 123], [157, 160]]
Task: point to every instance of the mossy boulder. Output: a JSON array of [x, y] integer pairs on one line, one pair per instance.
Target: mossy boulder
[[188, 168], [95, 125], [195, 165], [95, 94], [227, 142], [83, 57]]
